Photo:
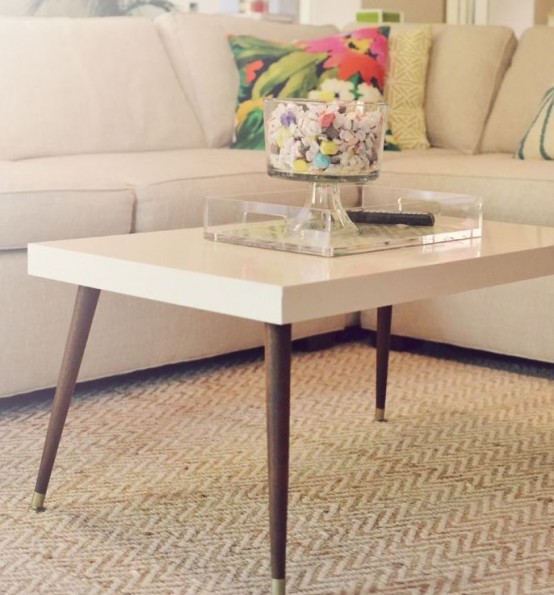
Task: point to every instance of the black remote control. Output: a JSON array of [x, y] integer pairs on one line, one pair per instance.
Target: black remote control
[[362, 215]]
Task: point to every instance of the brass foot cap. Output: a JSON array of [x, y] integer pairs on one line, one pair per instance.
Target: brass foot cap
[[37, 503], [380, 415], [277, 586]]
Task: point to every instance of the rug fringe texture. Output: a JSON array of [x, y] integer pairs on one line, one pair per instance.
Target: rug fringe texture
[[160, 482]]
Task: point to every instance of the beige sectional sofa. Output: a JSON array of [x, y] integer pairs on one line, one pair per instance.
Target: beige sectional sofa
[[122, 125], [475, 155]]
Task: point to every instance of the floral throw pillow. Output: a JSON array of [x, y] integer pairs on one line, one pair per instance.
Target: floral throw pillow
[[345, 66]]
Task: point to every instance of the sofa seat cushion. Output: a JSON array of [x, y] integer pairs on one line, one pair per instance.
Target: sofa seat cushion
[[56, 198], [198, 47], [100, 194], [171, 187], [72, 86], [512, 190], [178, 200]]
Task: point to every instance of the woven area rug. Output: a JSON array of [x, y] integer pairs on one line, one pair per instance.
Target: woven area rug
[[160, 482]]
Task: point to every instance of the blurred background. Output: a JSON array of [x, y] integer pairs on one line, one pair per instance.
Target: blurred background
[[517, 14]]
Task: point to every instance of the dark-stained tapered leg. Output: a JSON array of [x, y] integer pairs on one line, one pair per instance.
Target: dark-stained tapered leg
[[277, 366], [384, 317], [83, 313]]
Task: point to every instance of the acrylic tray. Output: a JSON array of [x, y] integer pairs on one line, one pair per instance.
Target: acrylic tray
[[264, 222]]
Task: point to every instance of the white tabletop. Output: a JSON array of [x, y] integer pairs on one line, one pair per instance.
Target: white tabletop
[[181, 267]]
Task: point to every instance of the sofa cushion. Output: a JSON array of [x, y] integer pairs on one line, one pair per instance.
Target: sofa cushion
[[171, 187], [100, 194], [498, 178], [466, 67], [57, 198], [345, 66], [87, 86], [405, 85], [538, 141], [529, 76], [86, 195], [202, 58], [62, 214], [178, 201]]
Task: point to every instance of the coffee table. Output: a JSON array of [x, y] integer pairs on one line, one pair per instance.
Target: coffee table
[[276, 288]]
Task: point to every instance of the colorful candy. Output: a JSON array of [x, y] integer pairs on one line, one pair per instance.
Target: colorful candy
[[329, 139], [322, 161], [300, 166]]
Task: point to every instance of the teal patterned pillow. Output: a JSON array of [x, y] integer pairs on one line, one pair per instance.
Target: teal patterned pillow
[[538, 141], [345, 66]]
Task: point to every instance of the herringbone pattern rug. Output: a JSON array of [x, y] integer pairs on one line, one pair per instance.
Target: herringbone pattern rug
[[160, 484]]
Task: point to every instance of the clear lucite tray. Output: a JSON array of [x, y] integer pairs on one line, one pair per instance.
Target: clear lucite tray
[[264, 222]]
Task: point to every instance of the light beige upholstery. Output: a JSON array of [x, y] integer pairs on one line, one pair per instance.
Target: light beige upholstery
[[523, 87], [512, 319], [61, 214], [466, 67], [512, 190], [88, 86], [128, 333]]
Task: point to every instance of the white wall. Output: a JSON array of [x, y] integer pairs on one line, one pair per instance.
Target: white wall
[[517, 14], [329, 12], [286, 8], [207, 6]]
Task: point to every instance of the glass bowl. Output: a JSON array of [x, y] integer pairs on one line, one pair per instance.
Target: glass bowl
[[316, 141]]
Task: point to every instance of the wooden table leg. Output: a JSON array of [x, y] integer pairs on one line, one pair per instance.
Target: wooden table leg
[[384, 317], [277, 366], [83, 313]]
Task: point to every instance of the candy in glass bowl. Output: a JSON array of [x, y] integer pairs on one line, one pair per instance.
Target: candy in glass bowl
[[325, 143]]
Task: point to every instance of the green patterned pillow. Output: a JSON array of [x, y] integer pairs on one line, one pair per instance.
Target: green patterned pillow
[[345, 66], [538, 141]]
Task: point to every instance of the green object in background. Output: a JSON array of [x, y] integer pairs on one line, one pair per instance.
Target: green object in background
[[379, 16]]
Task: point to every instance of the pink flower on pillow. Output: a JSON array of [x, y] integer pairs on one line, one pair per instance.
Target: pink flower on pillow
[[362, 52], [379, 42]]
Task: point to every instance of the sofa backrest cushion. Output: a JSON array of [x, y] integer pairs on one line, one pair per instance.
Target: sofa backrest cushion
[[199, 48], [73, 86], [529, 76], [466, 67]]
